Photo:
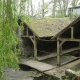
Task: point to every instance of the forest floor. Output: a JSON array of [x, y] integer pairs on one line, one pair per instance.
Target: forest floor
[[28, 74]]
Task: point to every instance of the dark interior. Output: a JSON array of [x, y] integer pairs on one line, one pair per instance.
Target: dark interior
[[69, 45], [66, 34], [77, 30], [30, 32], [46, 47]]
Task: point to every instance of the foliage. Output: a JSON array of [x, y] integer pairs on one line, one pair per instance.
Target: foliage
[[60, 14], [73, 15], [8, 40], [68, 78]]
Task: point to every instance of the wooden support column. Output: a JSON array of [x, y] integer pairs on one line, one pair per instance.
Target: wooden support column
[[58, 54], [72, 33], [79, 50], [27, 31], [35, 48]]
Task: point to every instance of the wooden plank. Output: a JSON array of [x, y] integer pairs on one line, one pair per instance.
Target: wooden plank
[[37, 65], [54, 54], [47, 56], [50, 70], [71, 60], [69, 39], [28, 36], [70, 50], [60, 71]]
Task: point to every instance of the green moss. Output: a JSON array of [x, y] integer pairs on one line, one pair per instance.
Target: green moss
[[48, 27]]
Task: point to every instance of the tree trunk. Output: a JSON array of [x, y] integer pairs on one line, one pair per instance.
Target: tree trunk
[[60, 6], [31, 8], [74, 3], [54, 8], [43, 8], [28, 8], [9, 14], [65, 6]]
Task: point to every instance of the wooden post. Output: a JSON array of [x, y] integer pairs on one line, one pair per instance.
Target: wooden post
[[27, 31], [72, 33], [58, 54], [79, 50], [35, 48]]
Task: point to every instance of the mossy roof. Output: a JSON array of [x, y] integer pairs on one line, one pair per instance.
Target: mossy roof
[[48, 27]]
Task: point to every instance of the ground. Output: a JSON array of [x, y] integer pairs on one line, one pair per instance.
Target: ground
[[28, 74], [12, 74], [76, 68]]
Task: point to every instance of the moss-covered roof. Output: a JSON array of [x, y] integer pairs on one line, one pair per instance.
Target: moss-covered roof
[[48, 27]]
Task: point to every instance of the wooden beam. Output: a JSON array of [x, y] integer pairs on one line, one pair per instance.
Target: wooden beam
[[35, 48], [69, 39], [62, 43], [58, 54], [54, 54], [31, 39], [72, 32]]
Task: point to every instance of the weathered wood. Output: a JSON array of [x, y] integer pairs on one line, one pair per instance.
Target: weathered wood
[[69, 39], [72, 74], [72, 33], [60, 71], [54, 54], [41, 66], [58, 54], [62, 43], [31, 39], [35, 48], [27, 33], [71, 50], [79, 50], [28, 36], [50, 70]]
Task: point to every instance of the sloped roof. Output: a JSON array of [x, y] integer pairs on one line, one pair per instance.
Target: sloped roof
[[70, 25], [48, 27]]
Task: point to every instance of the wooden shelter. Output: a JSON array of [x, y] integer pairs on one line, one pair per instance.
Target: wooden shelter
[[75, 10], [53, 37]]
